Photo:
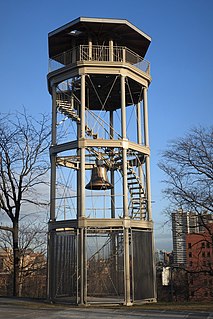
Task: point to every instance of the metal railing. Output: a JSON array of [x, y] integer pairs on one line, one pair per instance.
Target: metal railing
[[100, 53]]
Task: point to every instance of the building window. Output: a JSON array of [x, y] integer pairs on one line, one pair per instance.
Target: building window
[[207, 245], [190, 263], [192, 293], [208, 254], [189, 245], [203, 254], [190, 254], [203, 245], [206, 294]]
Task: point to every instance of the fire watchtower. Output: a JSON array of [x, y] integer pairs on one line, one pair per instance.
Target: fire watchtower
[[100, 228]]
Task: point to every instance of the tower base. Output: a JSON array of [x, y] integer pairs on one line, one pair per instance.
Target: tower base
[[89, 265]]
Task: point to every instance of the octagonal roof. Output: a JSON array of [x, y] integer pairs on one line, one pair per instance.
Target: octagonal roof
[[101, 30]]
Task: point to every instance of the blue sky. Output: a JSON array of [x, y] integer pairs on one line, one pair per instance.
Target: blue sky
[[181, 56]]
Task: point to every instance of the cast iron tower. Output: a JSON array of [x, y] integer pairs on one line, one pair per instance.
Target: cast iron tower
[[100, 229]]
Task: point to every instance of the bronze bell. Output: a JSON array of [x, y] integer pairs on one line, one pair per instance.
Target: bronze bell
[[99, 180]]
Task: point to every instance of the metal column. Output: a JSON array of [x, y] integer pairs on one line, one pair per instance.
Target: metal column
[[81, 191], [146, 140], [53, 157], [51, 281], [112, 172], [125, 196], [139, 141]]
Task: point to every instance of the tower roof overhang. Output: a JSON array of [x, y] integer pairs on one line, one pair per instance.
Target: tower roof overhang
[[121, 31]]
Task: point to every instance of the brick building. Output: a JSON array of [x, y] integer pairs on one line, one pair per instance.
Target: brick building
[[193, 253], [5, 273], [199, 256]]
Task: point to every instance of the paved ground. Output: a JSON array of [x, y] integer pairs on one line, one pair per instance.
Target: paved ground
[[19, 309]]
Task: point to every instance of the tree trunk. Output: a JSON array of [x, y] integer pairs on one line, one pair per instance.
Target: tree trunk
[[16, 260]]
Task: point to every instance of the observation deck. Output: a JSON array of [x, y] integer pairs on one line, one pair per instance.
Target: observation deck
[[82, 47], [98, 53]]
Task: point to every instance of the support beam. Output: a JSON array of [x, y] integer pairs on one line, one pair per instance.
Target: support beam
[[82, 255], [123, 107], [85, 266], [112, 172], [81, 192], [127, 278], [139, 141], [145, 113], [139, 129], [146, 140], [54, 115], [53, 157], [78, 171], [52, 187], [82, 150], [127, 300], [50, 268], [124, 150], [82, 111]]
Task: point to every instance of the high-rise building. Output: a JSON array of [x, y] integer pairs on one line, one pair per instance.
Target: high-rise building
[[179, 230], [184, 223]]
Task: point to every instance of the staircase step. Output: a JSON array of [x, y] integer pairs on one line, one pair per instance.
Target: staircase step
[[118, 158], [65, 108], [137, 204], [133, 183], [138, 209], [74, 115], [77, 119], [138, 187]]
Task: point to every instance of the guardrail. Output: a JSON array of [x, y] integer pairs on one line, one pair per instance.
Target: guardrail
[[97, 53]]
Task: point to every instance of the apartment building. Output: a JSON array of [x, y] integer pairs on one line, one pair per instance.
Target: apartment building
[[193, 251], [179, 231], [199, 257]]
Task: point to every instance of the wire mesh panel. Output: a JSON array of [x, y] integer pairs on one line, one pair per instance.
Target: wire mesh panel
[[105, 265], [143, 265], [65, 264]]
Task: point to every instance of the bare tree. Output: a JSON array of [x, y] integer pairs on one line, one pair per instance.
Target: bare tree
[[24, 164], [32, 255], [188, 166]]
